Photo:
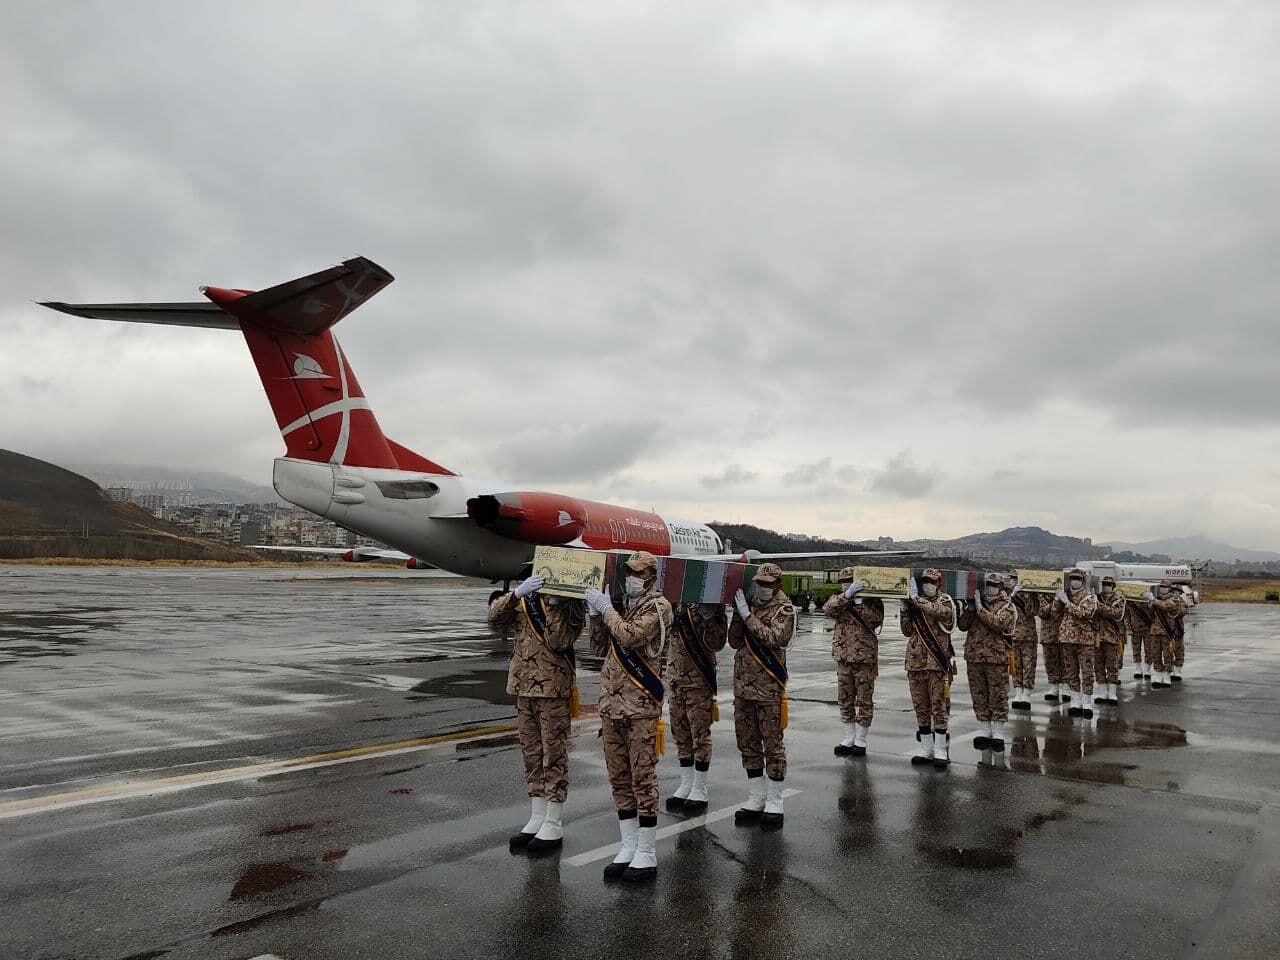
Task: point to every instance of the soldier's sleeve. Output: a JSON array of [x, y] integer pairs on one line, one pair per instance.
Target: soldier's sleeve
[[717, 633], [943, 612], [737, 632], [1113, 611], [834, 605], [1084, 607], [643, 631], [904, 620], [874, 615], [502, 612], [966, 619], [999, 619], [564, 628], [777, 630], [599, 637]]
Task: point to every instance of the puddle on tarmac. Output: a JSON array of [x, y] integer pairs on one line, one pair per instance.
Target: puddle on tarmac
[[972, 858], [42, 633], [263, 878], [287, 828], [489, 686], [1068, 748]]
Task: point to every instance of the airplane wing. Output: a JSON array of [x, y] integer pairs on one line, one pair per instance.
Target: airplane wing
[[356, 553], [753, 556]]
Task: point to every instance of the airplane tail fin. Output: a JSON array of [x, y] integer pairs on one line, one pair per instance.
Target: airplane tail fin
[[320, 408]]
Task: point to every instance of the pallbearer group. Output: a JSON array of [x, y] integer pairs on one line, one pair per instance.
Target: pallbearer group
[[654, 652]]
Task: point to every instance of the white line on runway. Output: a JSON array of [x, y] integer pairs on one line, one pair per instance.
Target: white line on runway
[[599, 853]]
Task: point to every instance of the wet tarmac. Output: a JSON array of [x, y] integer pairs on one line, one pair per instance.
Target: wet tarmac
[[227, 764]]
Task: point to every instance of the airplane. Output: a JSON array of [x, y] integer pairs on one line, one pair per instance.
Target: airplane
[[339, 465]]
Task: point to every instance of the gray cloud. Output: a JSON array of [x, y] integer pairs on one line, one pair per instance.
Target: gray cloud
[[632, 251], [901, 478]]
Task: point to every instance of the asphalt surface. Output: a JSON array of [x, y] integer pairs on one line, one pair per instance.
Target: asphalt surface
[[206, 763]]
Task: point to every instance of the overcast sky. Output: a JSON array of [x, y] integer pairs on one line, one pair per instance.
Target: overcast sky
[[847, 269]]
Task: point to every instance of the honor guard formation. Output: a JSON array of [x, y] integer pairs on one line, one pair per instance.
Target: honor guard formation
[[654, 653]]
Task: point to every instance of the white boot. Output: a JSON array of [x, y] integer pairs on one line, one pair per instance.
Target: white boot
[[924, 749], [1086, 705], [997, 736], [644, 865], [675, 802], [940, 758], [859, 740], [550, 835], [630, 831], [845, 746], [538, 813], [696, 802], [772, 816], [1176, 675], [750, 811]]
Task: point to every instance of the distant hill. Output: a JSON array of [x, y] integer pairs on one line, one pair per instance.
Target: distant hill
[[746, 537], [205, 486], [1199, 547], [46, 511]]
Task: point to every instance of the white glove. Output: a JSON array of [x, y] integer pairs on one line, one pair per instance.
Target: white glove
[[740, 604], [532, 585], [1148, 596], [1061, 596], [977, 600], [1017, 588], [597, 602], [857, 601], [913, 591], [856, 587]]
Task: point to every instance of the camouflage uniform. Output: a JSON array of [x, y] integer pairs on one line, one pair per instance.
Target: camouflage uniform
[[1138, 619], [1051, 613], [628, 715], [691, 700], [1162, 642], [1025, 638], [541, 678], [986, 656], [757, 696], [925, 676], [856, 650], [1078, 635], [1111, 617]]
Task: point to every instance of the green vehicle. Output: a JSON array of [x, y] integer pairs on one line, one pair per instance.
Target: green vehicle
[[799, 588]]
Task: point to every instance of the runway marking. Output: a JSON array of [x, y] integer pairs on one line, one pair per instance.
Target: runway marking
[[254, 771], [611, 850]]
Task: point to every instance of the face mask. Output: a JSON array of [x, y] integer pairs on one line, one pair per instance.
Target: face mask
[[1076, 584], [1162, 592], [989, 593], [764, 593], [1108, 590], [929, 589], [635, 587]]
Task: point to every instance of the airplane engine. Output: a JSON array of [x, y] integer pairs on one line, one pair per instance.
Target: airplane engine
[[358, 555], [415, 564], [541, 518]]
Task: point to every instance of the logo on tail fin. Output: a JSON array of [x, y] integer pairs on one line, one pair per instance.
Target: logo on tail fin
[[308, 368]]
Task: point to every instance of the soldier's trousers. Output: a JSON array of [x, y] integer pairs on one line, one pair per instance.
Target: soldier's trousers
[[691, 721], [1053, 662], [1137, 648], [989, 688], [1077, 663], [631, 758], [855, 687], [1158, 653], [1179, 651], [544, 742], [1024, 664], [758, 725], [1106, 667], [927, 696]]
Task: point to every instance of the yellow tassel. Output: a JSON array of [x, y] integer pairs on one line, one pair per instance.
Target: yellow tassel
[[785, 712], [575, 704], [946, 689], [660, 744], [1013, 666], [715, 711]]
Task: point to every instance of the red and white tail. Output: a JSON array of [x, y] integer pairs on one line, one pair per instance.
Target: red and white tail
[[320, 408]]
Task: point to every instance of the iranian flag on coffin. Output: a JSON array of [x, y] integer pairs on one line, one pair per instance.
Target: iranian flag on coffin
[[960, 584]]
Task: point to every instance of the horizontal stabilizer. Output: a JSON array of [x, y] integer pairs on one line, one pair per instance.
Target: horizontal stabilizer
[[199, 314], [312, 303]]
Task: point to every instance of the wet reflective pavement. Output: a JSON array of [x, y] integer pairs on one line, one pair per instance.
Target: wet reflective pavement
[[235, 763]]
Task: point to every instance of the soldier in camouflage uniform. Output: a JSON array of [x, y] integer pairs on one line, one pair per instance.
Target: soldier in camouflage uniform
[[930, 608], [987, 618], [1051, 614], [1137, 618], [1165, 606], [630, 707], [760, 633], [1025, 640], [541, 678], [701, 631], [1110, 622], [1078, 636], [856, 651]]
